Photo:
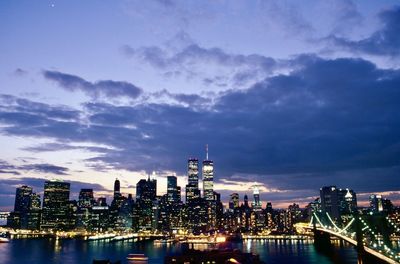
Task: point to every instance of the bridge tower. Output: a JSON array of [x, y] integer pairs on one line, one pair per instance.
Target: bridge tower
[[359, 239], [322, 240]]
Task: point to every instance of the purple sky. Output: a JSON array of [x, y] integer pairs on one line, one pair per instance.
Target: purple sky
[[291, 95]]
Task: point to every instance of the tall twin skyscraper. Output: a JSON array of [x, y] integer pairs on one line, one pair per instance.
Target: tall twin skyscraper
[[192, 188]]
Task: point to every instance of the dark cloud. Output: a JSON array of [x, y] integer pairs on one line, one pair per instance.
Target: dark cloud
[[106, 88], [8, 168], [328, 122], [45, 168], [385, 41]]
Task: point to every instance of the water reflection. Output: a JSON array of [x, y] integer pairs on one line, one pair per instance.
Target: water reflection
[[80, 251]]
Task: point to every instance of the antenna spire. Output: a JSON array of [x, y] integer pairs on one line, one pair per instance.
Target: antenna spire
[[206, 151]]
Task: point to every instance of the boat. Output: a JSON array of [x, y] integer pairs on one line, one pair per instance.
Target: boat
[[137, 258], [4, 240]]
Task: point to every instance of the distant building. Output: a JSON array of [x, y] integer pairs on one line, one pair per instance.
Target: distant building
[[208, 189], [172, 191], [330, 201], [234, 201], [26, 214], [85, 203], [192, 188], [55, 205], [146, 191], [379, 204], [347, 201]]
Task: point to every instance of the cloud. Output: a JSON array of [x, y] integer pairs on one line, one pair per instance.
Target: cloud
[[385, 41], [106, 88], [330, 121], [45, 168], [7, 168], [20, 72], [196, 62]]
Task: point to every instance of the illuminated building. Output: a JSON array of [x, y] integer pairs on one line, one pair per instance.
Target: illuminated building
[[146, 191], [172, 189], [208, 189], [375, 202], [208, 179], [347, 201], [234, 201], [330, 201], [192, 188], [256, 194], [55, 205], [85, 203]]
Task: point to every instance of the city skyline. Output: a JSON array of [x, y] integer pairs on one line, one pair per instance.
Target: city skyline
[[285, 98]]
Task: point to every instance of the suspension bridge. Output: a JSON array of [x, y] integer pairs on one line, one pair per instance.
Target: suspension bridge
[[374, 236]]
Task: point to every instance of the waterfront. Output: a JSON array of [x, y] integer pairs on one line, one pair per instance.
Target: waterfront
[[80, 251]]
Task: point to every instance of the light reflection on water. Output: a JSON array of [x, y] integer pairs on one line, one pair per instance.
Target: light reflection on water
[[79, 251]]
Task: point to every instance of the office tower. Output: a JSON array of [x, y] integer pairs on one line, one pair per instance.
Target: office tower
[[22, 197], [193, 172], [146, 191], [126, 213], [34, 211], [178, 194], [102, 201], [256, 194], [115, 206], [192, 188], [21, 206], [55, 204], [387, 205], [26, 213], [347, 201], [234, 201], [269, 216], [100, 218], [86, 199], [172, 189], [330, 201], [375, 202], [208, 178], [85, 203], [219, 210], [117, 188], [208, 189]]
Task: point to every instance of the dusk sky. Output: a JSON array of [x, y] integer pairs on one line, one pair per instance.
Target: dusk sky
[[292, 95]]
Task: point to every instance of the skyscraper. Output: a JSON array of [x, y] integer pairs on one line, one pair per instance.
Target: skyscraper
[[347, 201], [86, 199], [193, 172], [330, 201], [208, 178], [85, 204], [172, 189], [22, 197], [26, 213], [55, 204], [375, 202], [256, 195], [234, 202], [192, 188], [117, 188], [146, 191]]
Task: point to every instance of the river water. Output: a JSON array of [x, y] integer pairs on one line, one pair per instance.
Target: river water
[[68, 251]]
